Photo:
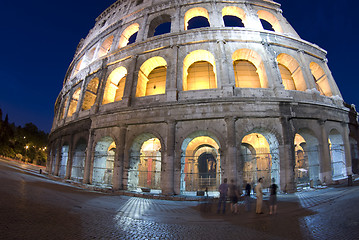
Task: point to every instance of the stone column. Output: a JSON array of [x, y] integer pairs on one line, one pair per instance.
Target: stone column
[[325, 159], [119, 159], [69, 159], [172, 76], [230, 171], [307, 74], [130, 90], [225, 75], [57, 160], [89, 157], [348, 156], [101, 87], [167, 178]]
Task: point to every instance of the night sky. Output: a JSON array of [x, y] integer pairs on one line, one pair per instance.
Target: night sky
[[39, 39]]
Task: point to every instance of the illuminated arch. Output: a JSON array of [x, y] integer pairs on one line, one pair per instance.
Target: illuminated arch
[[115, 85], [195, 12], [103, 164], [152, 77], [321, 79], [63, 108], [105, 47], [127, 33], [73, 103], [206, 78], [291, 73], [270, 18], [235, 11], [243, 57], [90, 94]]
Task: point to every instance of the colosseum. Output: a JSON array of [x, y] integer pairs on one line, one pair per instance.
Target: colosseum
[[174, 96]]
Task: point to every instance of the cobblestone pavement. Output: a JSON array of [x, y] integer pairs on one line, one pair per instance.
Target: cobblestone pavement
[[35, 207]]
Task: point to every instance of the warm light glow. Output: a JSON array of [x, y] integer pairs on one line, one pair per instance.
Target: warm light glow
[[271, 19], [148, 84], [115, 85], [152, 144], [235, 11], [291, 73], [74, 101], [127, 33], [195, 12], [254, 58], [321, 79], [105, 47], [90, 94], [198, 56]]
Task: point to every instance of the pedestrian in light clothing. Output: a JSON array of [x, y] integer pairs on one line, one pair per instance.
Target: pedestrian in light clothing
[[273, 198], [259, 194], [223, 190]]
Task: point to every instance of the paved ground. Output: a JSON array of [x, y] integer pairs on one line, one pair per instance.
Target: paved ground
[[35, 207]]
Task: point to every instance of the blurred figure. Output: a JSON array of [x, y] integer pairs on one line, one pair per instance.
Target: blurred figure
[[248, 197], [259, 194], [223, 190], [233, 196], [273, 198]]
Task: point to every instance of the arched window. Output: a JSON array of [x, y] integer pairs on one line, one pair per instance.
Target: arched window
[[233, 17], [246, 74], [160, 25], [73, 103], [105, 47], [152, 77], [115, 86], [269, 21], [199, 71], [90, 94], [129, 35], [63, 108], [291, 73], [249, 69], [321, 79], [77, 68], [196, 18]]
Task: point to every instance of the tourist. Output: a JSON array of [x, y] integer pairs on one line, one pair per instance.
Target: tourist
[[223, 190], [248, 197], [259, 194], [273, 198]]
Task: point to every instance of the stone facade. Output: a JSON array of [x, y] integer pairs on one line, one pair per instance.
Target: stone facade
[[180, 111]]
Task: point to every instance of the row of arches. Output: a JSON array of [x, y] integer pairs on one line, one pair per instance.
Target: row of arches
[[199, 73], [202, 161], [197, 17]]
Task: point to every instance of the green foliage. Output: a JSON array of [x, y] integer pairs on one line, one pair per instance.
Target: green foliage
[[26, 143]]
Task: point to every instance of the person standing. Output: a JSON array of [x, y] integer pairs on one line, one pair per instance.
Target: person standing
[[273, 198], [259, 194], [248, 197], [233, 196], [223, 190]]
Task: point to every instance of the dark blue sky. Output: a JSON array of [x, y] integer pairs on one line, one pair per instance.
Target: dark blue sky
[[39, 39]]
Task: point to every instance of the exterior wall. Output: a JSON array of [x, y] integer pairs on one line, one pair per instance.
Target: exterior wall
[[226, 113]]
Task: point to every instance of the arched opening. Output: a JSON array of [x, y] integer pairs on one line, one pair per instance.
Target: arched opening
[[291, 73], [260, 153], [246, 74], [90, 94], [249, 69], [152, 77], [233, 17], [307, 168], [78, 161], [200, 163], [196, 18], [129, 35], [74, 100], [269, 21], [320, 79], [160, 25], [77, 68], [115, 85], [199, 71], [54, 157], [337, 155], [105, 47], [89, 56], [104, 158], [63, 161], [145, 164]]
